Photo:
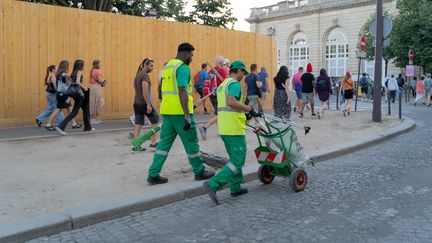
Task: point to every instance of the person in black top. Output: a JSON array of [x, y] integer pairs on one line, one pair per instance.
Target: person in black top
[[253, 87], [282, 101], [80, 94], [308, 90]]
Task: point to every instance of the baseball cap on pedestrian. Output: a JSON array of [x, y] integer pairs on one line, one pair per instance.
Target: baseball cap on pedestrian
[[239, 65]]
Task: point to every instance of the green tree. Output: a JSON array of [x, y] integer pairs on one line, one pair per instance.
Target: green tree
[[217, 13], [388, 54], [412, 30], [165, 9], [98, 5]]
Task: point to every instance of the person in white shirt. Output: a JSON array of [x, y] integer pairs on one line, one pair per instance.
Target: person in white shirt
[[393, 88]]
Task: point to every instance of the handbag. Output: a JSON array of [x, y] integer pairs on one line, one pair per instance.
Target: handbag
[[74, 90]]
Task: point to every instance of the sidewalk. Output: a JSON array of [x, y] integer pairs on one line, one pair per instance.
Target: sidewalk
[[86, 179]]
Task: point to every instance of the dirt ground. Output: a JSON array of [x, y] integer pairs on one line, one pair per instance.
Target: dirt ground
[[49, 175]]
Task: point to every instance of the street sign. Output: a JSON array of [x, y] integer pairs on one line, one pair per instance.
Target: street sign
[[362, 54], [386, 42], [409, 70], [388, 26], [363, 44], [411, 56]]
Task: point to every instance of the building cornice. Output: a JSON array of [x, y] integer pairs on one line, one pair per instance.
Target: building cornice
[[309, 10]]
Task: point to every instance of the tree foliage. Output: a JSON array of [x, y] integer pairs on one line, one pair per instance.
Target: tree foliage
[[217, 13]]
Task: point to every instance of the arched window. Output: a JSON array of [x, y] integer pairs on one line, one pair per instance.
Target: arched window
[[337, 53], [299, 52]]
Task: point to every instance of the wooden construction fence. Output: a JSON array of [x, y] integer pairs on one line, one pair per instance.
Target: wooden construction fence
[[33, 36]]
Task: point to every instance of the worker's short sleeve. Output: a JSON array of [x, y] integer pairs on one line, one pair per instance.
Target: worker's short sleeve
[[183, 75], [234, 89]]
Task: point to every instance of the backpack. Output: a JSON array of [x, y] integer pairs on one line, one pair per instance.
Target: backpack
[[209, 84], [363, 82], [196, 78], [400, 82], [427, 84], [322, 85]]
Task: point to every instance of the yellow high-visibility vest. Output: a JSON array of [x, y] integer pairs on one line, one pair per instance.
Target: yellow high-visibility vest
[[230, 120], [170, 104]]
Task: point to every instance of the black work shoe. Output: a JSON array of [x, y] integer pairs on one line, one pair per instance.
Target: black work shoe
[[38, 123], [205, 175], [211, 193], [157, 180], [241, 192]]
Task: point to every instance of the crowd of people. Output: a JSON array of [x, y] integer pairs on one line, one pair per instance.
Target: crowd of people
[[66, 92]]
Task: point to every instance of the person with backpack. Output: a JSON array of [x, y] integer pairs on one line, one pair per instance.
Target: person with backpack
[[364, 84], [199, 79], [323, 89], [213, 82], [51, 89], [400, 81]]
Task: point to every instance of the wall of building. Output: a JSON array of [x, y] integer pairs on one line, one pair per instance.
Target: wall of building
[[34, 36], [317, 27]]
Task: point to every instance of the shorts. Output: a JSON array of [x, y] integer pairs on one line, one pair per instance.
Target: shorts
[[348, 94], [61, 101], [214, 102], [200, 92], [298, 93], [364, 90], [141, 111], [308, 97], [253, 102]]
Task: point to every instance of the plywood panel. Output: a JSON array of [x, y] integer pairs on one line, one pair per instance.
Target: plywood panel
[[34, 36]]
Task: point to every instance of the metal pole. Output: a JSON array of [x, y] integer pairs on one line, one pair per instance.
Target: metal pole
[[400, 104], [337, 97], [376, 114], [388, 102], [358, 80]]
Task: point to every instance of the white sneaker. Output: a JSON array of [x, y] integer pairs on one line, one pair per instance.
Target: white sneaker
[[132, 120], [61, 131], [94, 121]]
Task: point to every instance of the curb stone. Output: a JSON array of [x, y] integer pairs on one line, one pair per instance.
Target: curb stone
[[93, 213]]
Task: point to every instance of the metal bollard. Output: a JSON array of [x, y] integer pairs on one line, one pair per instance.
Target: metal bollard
[[388, 102], [400, 104]]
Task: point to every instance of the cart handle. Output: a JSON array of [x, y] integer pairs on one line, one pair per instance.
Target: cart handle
[[274, 118]]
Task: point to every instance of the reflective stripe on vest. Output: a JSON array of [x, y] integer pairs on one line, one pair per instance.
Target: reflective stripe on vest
[[230, 121], [170, 104]]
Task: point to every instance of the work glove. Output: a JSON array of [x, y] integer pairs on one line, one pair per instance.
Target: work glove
[[188, 122], [253, 113]]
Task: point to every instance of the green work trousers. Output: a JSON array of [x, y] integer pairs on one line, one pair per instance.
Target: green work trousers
[[231, 172], [171, 127]]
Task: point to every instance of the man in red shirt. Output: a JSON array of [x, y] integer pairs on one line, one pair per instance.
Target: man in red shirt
[[219, 67]]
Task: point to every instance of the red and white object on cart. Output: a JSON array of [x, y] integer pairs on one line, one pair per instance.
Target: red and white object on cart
[[268, 157]]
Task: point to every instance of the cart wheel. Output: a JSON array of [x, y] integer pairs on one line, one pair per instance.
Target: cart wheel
[[298, 179], [264, 174]]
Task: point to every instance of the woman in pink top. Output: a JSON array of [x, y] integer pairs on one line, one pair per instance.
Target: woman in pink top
[[419, 90], [97, 102]]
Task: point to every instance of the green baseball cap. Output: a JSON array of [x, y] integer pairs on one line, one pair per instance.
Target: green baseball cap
[[239, 65]]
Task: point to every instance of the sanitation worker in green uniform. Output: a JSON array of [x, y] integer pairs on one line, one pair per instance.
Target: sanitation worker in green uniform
[[231, 125], [177, 114]]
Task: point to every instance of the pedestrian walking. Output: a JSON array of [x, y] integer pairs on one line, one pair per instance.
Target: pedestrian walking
[[297, 87], [80, 94], [427, 86], [199, 79], [96, 102], [226, 65], [50, 91], [348, 87], [413, 85], [63, 101], [364, 85], [231, 126], [392, 88], [142, 105], [323, 87], [215, 82], [419, 90], [178, 119], [400, 82], [308, 90], [281, 99], [263, 78], [253, 88]]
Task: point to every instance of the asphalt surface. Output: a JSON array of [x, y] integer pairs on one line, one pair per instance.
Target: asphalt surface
[[379, 194]]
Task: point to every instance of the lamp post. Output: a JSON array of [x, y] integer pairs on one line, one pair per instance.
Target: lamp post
[[376, 114]]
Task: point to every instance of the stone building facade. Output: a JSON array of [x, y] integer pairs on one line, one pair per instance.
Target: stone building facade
[[322, 32]]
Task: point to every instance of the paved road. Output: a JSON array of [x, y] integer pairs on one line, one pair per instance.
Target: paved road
[[380, 194]]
